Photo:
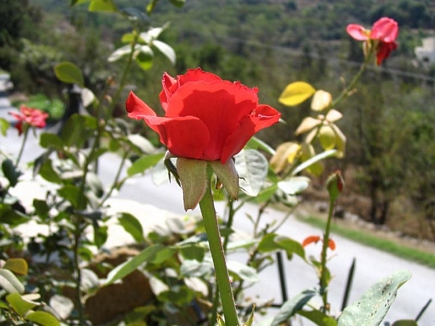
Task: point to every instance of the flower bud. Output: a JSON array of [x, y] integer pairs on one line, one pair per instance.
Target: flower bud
[[335, 185]]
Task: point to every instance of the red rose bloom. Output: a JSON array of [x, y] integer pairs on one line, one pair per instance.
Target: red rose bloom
[[206, 118], [33, 117], [384, 32]]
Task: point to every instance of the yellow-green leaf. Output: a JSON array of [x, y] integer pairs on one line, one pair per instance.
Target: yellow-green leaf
[[285, 154], [102, 5], [17, 265], [327, 137], [295, 93], [307, 153], [321, 100], [21, 304], [341, 141], [43, 318]]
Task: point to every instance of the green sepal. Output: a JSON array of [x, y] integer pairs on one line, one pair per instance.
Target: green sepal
[[227, 174], [194, 181]]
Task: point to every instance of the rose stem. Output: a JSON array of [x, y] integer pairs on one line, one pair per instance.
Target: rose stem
[[214, 239]]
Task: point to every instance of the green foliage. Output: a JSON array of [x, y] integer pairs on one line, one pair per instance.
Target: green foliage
[[291, 307], [372, 307], [69, 73]]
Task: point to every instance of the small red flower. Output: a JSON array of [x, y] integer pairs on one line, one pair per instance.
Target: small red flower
[[28, 116], [384, 32], [206, 118]]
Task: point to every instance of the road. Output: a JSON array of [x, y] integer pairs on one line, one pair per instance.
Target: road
[[371, 264]]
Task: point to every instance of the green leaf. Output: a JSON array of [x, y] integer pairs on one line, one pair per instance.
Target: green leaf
[[290, 246], [193, 268], [372, 307], [102, 5], [4, 306], [268, 244], [192, 252], [178, 3], [318, 317], [179, 295], [271, 242], [162, 255], [43, 318], [144, 60], [292, 306], [77, 130], [296, 93], [266, 193], [10, 282], [119, 53], [243, 271], [132, 225], [127, 38], [11, 217], [100, 235], [252, 167], [68, 72], [255, 143], [405, 323], [294, 185], [121, 271], [72, 194], [141, 144], [144, 163], [48, 173], [167, 51], [10, 172], [4, 125], [49, 140], [20, 304], [41, 208], [17, 265]]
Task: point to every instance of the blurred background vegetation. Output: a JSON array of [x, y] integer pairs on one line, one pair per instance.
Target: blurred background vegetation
[[389, 121]]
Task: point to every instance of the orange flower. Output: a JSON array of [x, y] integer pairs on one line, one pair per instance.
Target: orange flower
[[315, 238], [310, 239]]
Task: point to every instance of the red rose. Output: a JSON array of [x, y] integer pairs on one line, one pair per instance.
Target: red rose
[[33, 117], [384, 32], [206, 118]]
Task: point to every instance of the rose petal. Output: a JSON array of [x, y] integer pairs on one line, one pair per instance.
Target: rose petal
[[219, 105], [183, 136], [166, 93], [358, 32], [197, 74], [136, 108], [385, 30], [383, 51], [265, 117]]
